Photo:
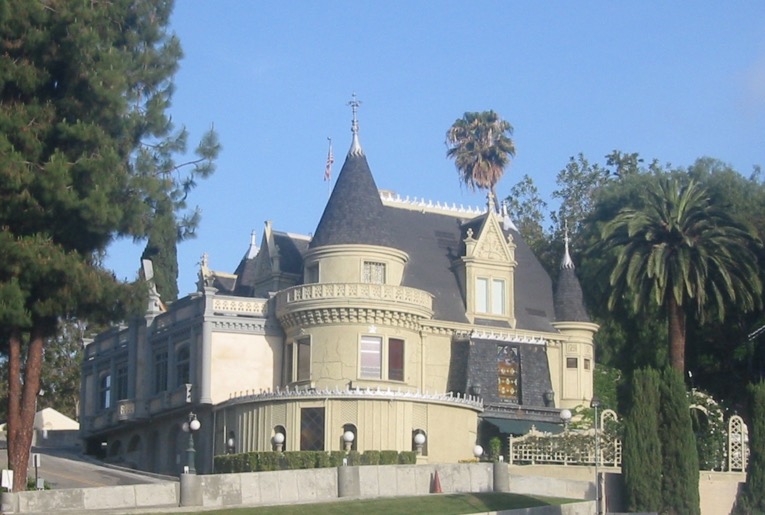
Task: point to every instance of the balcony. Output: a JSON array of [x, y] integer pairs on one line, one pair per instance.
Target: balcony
[[337, 297]]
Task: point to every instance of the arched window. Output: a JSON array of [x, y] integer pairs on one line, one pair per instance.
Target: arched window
[[280, 430]]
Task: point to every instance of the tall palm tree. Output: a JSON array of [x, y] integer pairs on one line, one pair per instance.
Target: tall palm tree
[[481, 146], [678, 251]]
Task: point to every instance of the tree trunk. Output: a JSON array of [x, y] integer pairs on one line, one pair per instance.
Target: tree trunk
[[22, 403], [676, 317]]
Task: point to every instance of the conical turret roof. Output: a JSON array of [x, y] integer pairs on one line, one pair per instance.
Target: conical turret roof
[[354, 213], [569, 300]]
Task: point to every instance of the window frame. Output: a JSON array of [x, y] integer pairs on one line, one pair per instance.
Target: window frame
[[487, 300], [183, 364], [160, 369], [302, 357], [105, 390], [374, 272], [385, 369]]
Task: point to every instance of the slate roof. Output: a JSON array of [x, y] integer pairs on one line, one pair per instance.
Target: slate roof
[[290, 248], [569, 301], [433, 241], [354, 211]]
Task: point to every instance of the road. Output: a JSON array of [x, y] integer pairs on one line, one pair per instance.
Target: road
[[67, 469]]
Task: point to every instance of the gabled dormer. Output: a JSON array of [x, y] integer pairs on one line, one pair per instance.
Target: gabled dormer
[[278, 263], [486, 270]]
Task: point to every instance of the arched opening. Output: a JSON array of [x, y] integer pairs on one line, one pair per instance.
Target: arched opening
[[115, 449], [279, 442]]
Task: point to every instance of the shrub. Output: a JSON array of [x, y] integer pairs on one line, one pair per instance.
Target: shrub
[[300, 459], [336, 458], [495, 448], [370, 458], [407, 457], [270, 461], [388, 457], [354, 458], [322, 460]]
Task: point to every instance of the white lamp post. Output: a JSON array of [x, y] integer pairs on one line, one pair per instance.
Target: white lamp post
[[565, 416], [595, 403], [478, 452], [419, 442], [278, 440], [190, 426], [348, 438]]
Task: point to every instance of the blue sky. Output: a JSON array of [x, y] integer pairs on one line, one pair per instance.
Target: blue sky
[[671, 80]]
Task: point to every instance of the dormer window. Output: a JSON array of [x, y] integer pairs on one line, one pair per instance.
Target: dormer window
[[373, 272], [490, 296]]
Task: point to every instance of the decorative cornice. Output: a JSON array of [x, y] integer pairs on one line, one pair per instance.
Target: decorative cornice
[[349, 315], [428, 206]]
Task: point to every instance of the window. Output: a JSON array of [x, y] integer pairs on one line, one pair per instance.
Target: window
[[373, 272], [304, 359], [160, 371], [497, 297], [105, 391], [312, 273], [371, 357], [508, 373], [121, 381], [312, 429], [586, 364], [183, 366], [481, 295], [395, 359], [288, 357], [572, 363], [490, 296]]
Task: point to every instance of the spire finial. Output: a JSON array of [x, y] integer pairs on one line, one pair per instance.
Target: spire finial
[[567, 261], [355, 145]]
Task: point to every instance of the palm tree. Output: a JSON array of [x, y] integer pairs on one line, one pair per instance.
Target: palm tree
[[481, 146], [678, 251]]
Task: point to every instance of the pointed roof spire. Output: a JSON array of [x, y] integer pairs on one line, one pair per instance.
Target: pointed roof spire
[[354, 213], [567, 262], [252, 251], [355, 149]]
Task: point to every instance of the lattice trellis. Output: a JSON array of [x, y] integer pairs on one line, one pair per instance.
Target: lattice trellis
[[738, 444]]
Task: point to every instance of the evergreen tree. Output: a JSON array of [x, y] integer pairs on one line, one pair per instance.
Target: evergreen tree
[[751, 497], [680, 462], [642, 462], [84, 140]]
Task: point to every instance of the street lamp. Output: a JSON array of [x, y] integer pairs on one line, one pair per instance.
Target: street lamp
[[231, 443], [419, 442], [565, 416], [191, 426], [348, 438], [478, 452], [278, 440], [595, 403]]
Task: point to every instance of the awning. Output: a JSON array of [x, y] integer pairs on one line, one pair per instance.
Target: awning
[[521, 427]]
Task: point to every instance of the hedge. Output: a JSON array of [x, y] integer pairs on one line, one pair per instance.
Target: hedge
[[293, 460]]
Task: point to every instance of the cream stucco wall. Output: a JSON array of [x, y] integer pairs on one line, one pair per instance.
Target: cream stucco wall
[[382, 424], [242, 362]]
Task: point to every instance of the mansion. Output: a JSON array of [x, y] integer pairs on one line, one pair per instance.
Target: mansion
[[398, 326]]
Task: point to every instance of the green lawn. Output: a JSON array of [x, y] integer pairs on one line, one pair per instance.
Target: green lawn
[[441, 504]]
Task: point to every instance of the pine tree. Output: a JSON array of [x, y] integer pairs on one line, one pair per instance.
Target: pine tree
[[642, 463], [84, 139], [751, 497], [680, 462]]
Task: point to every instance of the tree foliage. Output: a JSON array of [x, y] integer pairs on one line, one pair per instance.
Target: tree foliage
[[680, 463], [481, 146], [83, 91], [642, 462], [677, 250], [751, 498]]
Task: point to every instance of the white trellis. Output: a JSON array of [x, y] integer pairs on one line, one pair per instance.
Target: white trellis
[[738, 444]]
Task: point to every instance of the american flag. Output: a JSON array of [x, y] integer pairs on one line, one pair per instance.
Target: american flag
[[330, 160]]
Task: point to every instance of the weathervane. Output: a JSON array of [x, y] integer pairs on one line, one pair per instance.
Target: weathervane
[[355, 145]]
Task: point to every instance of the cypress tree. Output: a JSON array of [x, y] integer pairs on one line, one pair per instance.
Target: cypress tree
[[680, 462], [751, 498], [642, 465]]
